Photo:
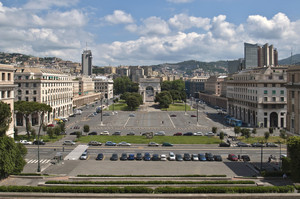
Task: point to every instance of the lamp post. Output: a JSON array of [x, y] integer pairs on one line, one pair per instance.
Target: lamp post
[[261, 156], [101, 112], [197, 114], [185, 102], [280, 159]]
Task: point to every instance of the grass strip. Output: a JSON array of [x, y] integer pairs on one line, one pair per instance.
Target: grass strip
[[150, 182], [152, 176]]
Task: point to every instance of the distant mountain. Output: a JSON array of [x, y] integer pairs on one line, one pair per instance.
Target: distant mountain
[[287, 61]]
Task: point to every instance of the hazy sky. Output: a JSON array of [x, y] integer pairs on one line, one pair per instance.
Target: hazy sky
[[144, 32]]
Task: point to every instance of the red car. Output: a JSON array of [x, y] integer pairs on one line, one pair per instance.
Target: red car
[[232, 157], [178, 134], [50, 125], [193, 115]]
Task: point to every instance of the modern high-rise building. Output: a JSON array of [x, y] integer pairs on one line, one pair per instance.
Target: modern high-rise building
[[260, 56], [86, 62]]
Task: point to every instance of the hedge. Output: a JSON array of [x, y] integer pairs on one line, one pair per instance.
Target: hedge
[[62, 189], [152, 182], [273, 173], [152, 175], [30, 174], [298, 188]]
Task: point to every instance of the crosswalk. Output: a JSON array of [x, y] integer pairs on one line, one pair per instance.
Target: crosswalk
[[35, 161]]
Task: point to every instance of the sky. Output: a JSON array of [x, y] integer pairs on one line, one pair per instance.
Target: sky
[[143, 32]]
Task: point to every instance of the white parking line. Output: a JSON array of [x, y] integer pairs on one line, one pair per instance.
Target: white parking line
[[126, 122], [172, 122]]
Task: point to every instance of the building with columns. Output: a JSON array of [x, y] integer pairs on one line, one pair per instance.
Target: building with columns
[[258, 96], [7, 92], [47, 86]]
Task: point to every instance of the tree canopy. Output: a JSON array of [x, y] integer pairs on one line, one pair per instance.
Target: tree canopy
[[164, 99], [293, 147], [5, 118], [124, 84]]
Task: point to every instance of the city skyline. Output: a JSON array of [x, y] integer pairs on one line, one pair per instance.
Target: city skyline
[[144, 33]]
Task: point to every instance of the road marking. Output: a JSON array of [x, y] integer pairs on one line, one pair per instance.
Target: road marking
[[171, 121], [126, 122]]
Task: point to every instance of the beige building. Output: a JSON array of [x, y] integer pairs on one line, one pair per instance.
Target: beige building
[[48, 86], [214, 85], [109, 70], [86, 85], [105, 86], [258, 96], [7, 92], [293, 99]]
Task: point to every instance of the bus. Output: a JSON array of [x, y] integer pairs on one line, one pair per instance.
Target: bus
[[98, 109], [232, 121]]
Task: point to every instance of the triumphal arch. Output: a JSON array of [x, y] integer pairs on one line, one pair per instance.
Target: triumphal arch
[[148, 88]]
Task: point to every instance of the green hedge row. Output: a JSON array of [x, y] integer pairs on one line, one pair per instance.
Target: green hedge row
[[152, 175], [273, 173], [152, 182], [30, 174], [62, 189], [297, 187]]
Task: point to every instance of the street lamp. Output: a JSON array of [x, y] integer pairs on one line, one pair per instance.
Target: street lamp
[[261, 155], [101, 111], [185, 102], [280, 159], [197, 114]]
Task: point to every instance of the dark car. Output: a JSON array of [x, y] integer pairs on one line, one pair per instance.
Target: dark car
[[131, 157], [123, 156], [201, 157], [242, 144], [106, 114], [173, 115], [269, 144], [147, 157], [209, 157], [139, 156], [114, 157], [257, 144], [36, 142], [224, 144], [167, 144], [99, 156], [218, 158], [117, 133], [179, 157], [193, 115], [110, 143], [186, 157], [73, 133], [188, 134], [245, 158], [93, 133], [131, 133], [155, 157], [177, 134]]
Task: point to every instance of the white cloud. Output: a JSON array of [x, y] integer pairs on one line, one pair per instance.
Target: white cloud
[[183, 22], [119, 17], [180, 1], [46, 4]]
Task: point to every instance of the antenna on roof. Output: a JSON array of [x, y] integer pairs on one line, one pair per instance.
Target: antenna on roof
[[291, 55]]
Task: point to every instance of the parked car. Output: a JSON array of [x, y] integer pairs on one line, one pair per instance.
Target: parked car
[[93, 133], [94, 143], [224, 144], [110, 143], [160, 133], [131, 115], [147, 156], [209, 134], [270, 144], [186, 157], [173, 115], [257, 144], [99, 156], [177, 134], [245, 158], [153, 144], [171, 156], [167, 144], [155, 157], [232, 157], [139, 156], [106, 114], [195, 157], [104, 133], [72, 115], [124, 144], [92, 115], [68, 142], [114, 157], [117, 133], [209, 157], [218, 158], [198, 134], [38, 142], [131, 133], [50, 125], [242, 144], [193, 115], [123, 156], [163, 157], [131, 157], [179, 157], [84, 156], [188, 134], [201, 157]]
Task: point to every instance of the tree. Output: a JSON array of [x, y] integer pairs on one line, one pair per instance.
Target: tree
[[164, 99], [283, 134], [124, 84], [254, 131], [221, 135], [26, 109], [267, 135], [12, 157], [247, 133], [293, 147], [62, 127], [132, 102], [50, 132], [175, 95], [271, 130], [5, 118], [57, 130], [214, 130], [86, 128], [237, 130]]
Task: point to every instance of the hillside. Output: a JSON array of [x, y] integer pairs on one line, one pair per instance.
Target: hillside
[[287, 61]]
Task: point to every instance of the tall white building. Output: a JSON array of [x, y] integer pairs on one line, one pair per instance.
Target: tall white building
[[86, 62], [7, 92], [47, 86]]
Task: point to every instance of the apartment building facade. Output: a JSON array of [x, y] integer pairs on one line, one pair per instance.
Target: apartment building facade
[[105, 86], [7, 92], [48, 86], [258, 96]]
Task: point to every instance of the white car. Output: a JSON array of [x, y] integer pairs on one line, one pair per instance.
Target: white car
[[160, 133], [172, 156], [104, 133], [209, 134], [195, 157], [124, 144], [163, 157], [25, 142], [83, 156], [198, 134]]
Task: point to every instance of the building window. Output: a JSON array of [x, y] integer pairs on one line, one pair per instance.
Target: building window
[[8, 76], [292, 123], [27, 92], [19, 92], [265, 85], [27, 85], [282, 92], [293, 108], [19, 84], [26, 99], [19, 77], [3, 94], [34, 84], [273, 92], [265, 91], [34, 99], [265, 105], [34, 92], [19, 98], [273, 99], [8, 94], [265, 99], [26, 77], [273, 85], [273, 105], [265, 114], [282, 99], [293, 78], [3, 76]]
